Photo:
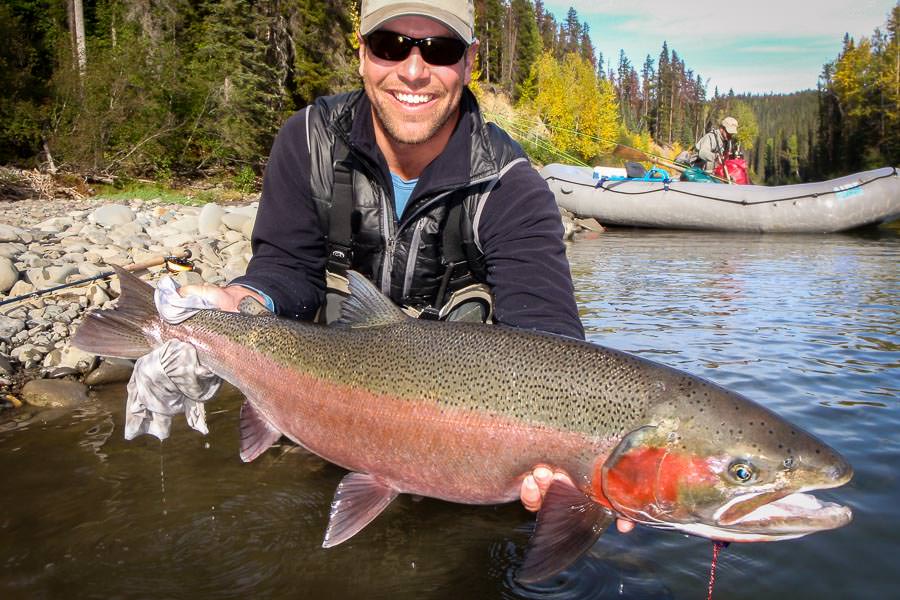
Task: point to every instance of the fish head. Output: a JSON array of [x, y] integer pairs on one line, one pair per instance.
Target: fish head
[[733, 471]]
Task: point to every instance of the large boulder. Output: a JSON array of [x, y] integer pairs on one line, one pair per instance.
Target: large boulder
[[9, 274], [54, 393], [112, 215]]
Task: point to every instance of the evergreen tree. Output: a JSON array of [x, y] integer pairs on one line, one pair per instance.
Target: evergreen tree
[[663, 108], [648, 90], [491, 17], [527, 45], [240, 115], [31, 31], [572, 33], [323, 34]]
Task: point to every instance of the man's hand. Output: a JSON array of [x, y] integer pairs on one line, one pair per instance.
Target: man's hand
[[535, 486], [225, 298]]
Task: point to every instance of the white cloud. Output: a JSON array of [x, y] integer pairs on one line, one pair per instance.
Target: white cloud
[[774, 49], [765, 18], [760, 81]]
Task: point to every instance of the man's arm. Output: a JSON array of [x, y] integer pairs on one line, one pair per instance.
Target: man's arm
[[289, 254], [520, 233]]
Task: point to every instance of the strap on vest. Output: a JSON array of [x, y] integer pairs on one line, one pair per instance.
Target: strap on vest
[[459, 261], [340, 221]]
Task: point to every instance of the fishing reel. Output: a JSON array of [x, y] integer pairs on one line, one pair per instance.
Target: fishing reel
[[178, 264]]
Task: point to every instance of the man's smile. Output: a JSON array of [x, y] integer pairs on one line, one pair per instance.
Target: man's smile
[[412, 99]]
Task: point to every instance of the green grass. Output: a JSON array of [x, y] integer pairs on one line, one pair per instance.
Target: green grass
[[146, 191], [168, 195]]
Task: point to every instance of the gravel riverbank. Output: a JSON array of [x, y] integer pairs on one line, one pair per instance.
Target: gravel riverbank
[[48, 243]]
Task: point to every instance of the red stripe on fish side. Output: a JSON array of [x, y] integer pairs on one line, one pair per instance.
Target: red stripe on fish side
[[415, 445]]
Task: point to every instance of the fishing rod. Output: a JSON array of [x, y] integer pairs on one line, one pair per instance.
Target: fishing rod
[[175, 263], [640, 155]]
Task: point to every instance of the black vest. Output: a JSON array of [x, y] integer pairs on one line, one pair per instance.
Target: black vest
[[432, 251]]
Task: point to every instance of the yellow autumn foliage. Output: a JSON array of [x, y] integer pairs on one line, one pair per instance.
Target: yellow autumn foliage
[[579, 111]]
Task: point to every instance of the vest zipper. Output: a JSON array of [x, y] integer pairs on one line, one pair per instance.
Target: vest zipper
[[412, 257], [387, 223]]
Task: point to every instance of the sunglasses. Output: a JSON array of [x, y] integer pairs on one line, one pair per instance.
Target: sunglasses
[[438, 51]]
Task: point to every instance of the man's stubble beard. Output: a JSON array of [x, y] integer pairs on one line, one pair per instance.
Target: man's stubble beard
[[394, 130]]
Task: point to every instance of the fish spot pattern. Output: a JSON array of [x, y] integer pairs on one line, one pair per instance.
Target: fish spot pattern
[[535, 378]]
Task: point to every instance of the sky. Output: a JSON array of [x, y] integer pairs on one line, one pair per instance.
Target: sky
[[754, 46]]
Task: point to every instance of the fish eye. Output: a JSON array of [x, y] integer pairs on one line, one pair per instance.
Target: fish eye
[[789, 463], [743, 472]]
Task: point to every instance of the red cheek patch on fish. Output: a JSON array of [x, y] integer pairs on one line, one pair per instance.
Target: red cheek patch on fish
[[628, 481], [649, 480]]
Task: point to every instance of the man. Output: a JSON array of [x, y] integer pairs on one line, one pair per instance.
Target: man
[[713, 147], [405, 183], [413, 152]]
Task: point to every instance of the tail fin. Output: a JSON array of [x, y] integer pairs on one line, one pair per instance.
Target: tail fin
[[119, 332]]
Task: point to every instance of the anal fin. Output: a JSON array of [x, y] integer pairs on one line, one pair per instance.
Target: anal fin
[[359, 498], [257, 434], [568, 524]]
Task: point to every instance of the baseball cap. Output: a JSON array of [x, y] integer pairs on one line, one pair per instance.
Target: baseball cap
[[730, 124], [458, 15]]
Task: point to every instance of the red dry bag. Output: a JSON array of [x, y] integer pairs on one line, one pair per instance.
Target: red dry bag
[[737, 168]]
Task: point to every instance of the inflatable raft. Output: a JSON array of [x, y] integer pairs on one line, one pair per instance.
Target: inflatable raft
[[656, 200]]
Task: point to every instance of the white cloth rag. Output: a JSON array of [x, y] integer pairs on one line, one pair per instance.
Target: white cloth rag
[[170, 380]]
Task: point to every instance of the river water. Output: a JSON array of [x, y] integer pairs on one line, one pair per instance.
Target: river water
[[806, 325]]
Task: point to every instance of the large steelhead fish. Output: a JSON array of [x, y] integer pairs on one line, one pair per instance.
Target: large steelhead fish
[[463, 412]]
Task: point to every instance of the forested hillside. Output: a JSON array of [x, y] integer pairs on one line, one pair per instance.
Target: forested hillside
[[156, 88], [783, 151], [859, 102]]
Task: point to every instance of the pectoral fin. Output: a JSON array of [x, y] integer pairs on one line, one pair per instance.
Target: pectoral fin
[[567, 526], [257, 434], [359, 498]]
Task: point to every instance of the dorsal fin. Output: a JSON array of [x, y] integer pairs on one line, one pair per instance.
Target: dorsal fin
[[252, 307], [366, 306]]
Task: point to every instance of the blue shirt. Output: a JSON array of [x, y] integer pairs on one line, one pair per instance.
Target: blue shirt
[[403, 189]]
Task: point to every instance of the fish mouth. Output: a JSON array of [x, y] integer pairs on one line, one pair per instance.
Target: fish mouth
[[777, 516]]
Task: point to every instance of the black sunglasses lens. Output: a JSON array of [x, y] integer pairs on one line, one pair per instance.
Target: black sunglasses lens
[[387, 45], [440, 51]]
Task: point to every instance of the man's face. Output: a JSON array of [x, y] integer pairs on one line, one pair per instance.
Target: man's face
[[413, 100]]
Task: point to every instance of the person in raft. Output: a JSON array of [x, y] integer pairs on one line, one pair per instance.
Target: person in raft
[[404, 182], [713, 148]]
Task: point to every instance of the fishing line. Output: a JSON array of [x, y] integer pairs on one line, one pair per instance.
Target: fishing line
[[717, 547]]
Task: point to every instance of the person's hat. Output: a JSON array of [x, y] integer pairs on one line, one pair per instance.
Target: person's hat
[[730, 125], [458, 15]]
